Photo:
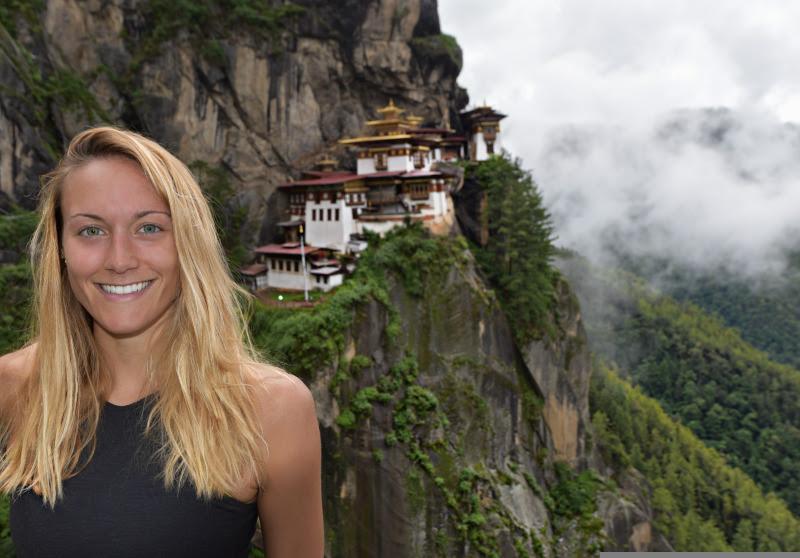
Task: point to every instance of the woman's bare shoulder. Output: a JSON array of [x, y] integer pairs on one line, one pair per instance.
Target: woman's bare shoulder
[[284, 404], [277, 391], [15, 368]]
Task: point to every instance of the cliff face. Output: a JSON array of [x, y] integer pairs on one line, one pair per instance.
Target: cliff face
[[389, 505], [258, 104]]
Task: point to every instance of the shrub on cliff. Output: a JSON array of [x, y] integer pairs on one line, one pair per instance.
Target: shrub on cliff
[[517, 257]]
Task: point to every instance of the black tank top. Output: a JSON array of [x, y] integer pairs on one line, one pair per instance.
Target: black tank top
[[117, 506]]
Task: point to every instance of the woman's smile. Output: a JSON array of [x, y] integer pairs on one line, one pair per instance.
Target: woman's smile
[[122, 292]]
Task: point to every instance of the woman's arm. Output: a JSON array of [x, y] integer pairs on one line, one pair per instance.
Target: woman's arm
[[290, 504]]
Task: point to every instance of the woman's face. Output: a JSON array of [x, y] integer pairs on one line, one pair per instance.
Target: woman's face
[[119, 246]]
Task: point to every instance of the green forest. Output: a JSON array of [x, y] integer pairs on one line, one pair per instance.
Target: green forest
[[700, 502]]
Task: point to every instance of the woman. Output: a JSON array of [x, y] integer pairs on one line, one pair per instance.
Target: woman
[[138, 421]]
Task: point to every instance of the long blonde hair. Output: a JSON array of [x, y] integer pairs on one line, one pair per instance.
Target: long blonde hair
[[204, 411]]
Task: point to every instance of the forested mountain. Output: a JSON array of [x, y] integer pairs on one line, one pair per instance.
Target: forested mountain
[[699, 501], [731, 395], [766, 311]]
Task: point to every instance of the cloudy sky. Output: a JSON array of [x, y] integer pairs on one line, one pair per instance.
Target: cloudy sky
[[590, 88]]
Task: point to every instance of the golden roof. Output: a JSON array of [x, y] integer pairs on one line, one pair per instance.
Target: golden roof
[[391, 108], [366, 139]]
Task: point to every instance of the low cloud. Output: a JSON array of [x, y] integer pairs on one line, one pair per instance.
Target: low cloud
[[608, 106], [703, 189]]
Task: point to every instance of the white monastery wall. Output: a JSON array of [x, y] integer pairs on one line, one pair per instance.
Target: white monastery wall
[[286, 279], [323, 229], [365, 166]]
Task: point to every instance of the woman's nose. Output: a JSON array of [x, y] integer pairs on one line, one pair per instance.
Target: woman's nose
[[122, 254]]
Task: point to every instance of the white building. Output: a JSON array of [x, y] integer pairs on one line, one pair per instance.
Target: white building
[[395, 182]]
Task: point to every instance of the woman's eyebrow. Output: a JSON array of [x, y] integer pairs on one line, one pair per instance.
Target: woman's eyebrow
[[89, 215], [138, 215], [149, 211]]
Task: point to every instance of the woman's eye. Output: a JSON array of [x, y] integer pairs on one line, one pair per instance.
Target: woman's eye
[[150, 228], [90, 231]]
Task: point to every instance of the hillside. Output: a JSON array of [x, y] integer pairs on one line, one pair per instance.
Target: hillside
[[699, 501], [731, 395]]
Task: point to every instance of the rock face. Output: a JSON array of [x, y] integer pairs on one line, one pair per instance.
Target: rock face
[[388, 505], [562, 373], [259, 108]]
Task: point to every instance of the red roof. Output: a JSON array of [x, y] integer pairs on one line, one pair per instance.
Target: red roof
[[285, 249], [421, 174], [321, 174], [254, 269], [382, 174], [323, 181]]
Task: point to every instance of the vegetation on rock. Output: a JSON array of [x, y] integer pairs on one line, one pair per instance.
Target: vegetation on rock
[[229, 216], [441, 47], [205, 22], [517, 258]]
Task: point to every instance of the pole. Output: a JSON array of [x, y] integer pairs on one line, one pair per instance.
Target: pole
[[303, 258]]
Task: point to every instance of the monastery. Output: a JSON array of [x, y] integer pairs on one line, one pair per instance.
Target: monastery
[[395, 181]]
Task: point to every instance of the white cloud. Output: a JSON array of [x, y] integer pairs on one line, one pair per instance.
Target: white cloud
[[601, 77]]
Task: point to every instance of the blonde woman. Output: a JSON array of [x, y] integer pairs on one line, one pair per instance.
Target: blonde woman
[[138, 421]]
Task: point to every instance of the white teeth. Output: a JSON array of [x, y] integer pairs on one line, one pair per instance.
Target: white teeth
[[125, 289]]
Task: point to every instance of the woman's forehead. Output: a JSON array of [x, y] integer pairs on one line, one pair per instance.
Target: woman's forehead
[[113, 185]]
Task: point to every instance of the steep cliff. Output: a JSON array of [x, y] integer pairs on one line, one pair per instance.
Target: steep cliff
[[258, 90], [437, 439]]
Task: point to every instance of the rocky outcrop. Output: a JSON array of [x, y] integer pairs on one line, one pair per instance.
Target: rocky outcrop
[[497, 428], [259, 108], [562, 372]]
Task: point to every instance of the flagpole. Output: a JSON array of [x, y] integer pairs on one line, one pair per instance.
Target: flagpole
[[303, 257]]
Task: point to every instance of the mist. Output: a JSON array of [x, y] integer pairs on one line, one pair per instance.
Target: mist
[[700, 189], [660, 129]]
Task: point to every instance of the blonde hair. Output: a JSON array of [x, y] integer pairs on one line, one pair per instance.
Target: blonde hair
[[204, 411]]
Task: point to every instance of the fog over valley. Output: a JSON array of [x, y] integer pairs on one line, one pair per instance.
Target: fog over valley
[[658, 129]]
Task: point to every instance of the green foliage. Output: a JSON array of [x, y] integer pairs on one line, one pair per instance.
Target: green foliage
[[517, 257], [730, 394], [767, 313], [313, 338], [439, 47], [205, 22], [60, 89], [699, 501], [229, 216], [27, 10], [6, 545], [574, 498], [16, 230], [15, 279], [15, 300]]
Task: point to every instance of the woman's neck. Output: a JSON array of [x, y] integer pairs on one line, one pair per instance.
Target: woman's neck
[[125, 359]]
